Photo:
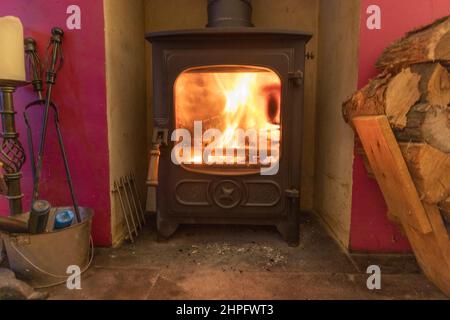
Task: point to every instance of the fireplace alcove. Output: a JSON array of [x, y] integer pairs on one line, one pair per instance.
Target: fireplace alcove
[[325, 157]]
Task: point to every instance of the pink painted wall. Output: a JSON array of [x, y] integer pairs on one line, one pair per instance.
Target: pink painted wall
[[80, 93], [370, 229]]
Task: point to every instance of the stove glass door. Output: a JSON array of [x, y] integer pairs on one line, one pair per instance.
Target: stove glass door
[[228, 119]]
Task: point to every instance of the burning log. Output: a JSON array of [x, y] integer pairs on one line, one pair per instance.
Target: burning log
[[427, 44]]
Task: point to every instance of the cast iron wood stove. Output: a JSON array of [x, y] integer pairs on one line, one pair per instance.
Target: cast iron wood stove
[[209, 84]]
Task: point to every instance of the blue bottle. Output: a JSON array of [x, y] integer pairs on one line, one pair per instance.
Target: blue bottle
[[64, 219]]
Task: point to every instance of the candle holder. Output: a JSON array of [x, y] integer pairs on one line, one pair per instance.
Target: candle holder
[[12, 153]]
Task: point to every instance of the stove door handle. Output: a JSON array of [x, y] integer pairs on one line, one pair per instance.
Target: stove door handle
[[296, 77], [160, 136], [292, 193]]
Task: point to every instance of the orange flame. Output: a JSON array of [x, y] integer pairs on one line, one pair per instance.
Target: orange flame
[[229, 101]]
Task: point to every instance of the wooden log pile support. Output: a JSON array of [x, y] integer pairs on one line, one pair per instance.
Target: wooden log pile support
[[402, 118], [421, 222]]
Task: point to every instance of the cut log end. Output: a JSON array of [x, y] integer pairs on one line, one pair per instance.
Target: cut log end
[[430, 170], [369, 101], [436, 128], [402, 93]]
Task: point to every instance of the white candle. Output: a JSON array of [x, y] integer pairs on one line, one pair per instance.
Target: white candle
[[12, 59]]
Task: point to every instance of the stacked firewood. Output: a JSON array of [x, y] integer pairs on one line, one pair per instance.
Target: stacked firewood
[[413, 91]]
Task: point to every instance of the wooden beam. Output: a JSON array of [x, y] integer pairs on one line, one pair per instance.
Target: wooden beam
[[432, 250], [391, 171]]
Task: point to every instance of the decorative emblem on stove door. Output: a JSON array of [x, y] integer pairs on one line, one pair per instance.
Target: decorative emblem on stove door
[[227, 194]]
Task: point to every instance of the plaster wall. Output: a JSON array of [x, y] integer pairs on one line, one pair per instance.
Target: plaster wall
[[337, 80], [126, 96]]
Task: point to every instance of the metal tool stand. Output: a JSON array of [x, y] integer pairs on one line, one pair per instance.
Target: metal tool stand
[[12, 154]]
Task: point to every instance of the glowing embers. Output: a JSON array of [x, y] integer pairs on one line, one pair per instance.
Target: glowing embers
[[227, 115]]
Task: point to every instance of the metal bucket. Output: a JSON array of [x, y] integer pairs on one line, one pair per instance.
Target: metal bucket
[[42, 259]]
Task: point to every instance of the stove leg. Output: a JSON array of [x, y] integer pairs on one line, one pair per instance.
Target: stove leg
[[289, 232], [165, 228], [290, 229]]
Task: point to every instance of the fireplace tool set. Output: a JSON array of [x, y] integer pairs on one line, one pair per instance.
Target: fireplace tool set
[[42, 244], [13, 154]]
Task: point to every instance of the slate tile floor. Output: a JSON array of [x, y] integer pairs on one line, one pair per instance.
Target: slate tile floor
[[242, 262]]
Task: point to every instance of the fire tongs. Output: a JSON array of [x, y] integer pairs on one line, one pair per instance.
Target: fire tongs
[[35, 68]]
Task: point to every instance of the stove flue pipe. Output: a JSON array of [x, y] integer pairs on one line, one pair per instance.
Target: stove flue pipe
[[229, 13]]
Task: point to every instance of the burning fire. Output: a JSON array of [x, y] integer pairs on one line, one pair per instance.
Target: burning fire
[[233, 103]]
